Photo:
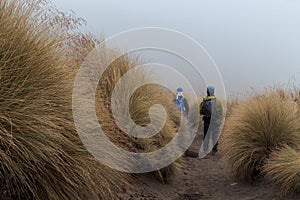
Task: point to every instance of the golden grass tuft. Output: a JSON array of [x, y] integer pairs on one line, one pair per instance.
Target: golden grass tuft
[[41, 155], [139, 104], [256, 127], [282, 168]]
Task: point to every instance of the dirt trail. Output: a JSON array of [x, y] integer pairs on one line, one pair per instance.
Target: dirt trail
[[199, 179]]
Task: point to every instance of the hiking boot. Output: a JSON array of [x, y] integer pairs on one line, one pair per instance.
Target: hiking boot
[[203, 154], [214, 152]]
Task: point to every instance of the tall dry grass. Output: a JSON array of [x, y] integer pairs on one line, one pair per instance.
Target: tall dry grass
[[139, 104], [40, 152], [282, 168], [41, 155], [255, 128], [81, 45]]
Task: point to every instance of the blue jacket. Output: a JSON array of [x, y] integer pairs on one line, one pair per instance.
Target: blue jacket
[[182, 105]]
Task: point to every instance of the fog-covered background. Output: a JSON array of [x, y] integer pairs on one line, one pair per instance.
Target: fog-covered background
[[254, 43]]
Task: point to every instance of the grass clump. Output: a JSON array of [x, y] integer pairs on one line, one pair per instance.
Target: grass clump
[[255, 128], [140, 103], [283, 169], [41, 155]]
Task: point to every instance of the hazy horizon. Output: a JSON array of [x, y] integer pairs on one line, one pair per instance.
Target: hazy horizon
[[254, 43]]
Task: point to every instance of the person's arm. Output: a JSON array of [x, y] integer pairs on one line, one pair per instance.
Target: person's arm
[[201, 107], [186, 105]]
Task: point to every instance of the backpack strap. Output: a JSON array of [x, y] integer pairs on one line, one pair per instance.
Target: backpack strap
[[209, 98]]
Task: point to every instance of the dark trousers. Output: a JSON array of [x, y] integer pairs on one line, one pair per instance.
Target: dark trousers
[[211, 130]]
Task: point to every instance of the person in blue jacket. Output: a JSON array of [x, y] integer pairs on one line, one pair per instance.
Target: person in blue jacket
[[183, 107], [181, 102]]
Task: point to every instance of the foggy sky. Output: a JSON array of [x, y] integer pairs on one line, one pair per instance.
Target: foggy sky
[[254, 43]]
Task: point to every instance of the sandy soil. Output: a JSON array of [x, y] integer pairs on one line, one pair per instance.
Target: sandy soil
[[199, 179]]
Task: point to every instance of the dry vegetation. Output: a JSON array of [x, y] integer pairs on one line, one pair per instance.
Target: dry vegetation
[[282, 168], [41, 154], [139, 105], [261, 139]]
